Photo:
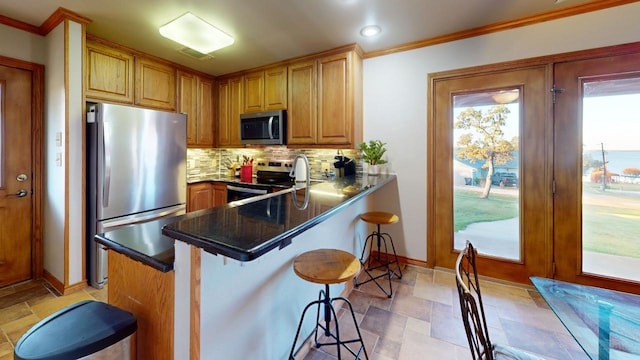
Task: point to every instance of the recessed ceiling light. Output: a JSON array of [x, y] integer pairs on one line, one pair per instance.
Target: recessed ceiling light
[[195, 33], [370, 30]]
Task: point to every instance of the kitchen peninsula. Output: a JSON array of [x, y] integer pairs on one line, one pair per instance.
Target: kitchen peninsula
[[236, 295]]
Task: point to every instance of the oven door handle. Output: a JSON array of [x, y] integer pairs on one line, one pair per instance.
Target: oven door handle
[[246, 190]]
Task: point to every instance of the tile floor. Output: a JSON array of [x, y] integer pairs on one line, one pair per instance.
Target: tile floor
[[23, 305], [421, 321]]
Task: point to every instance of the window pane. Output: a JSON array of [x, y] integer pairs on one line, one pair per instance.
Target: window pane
[[611, 178], [486, 176]]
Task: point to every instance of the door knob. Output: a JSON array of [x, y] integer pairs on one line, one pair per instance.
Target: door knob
[[21, 177], [21, 193]]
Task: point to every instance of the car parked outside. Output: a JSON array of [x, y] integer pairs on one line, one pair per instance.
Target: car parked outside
[[504, 179]]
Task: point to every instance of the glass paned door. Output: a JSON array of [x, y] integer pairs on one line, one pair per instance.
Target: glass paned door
[[488, 178], [611, 178], [486, 200], [597, 172]]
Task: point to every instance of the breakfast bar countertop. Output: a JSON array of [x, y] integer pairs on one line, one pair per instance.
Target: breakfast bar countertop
[[247, 229]]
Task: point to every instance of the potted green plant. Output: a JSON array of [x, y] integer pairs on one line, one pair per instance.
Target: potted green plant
[[372, 155]]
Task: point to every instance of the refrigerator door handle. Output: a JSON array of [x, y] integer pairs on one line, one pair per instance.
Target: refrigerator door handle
[[137, 218], [106, 170]]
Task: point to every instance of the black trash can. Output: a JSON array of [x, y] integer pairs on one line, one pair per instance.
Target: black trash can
[[85, 330]]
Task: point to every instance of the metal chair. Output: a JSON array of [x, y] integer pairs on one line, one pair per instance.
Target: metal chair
[[472, 310]]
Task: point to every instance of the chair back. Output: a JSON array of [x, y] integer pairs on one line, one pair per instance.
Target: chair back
[[475, 323]]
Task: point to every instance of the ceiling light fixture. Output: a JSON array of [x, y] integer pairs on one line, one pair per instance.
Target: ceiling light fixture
[[506, 97], [195, 33], [370, 30]]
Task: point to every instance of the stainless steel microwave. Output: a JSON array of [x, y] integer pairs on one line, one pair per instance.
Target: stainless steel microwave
[[263, 128]]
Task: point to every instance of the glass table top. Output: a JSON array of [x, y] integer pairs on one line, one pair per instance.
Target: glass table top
[[605, 323]]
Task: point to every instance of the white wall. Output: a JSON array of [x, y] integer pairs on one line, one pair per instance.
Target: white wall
[[395, 96], [75, 151], [54, 175], [63, 118], [18, 44]]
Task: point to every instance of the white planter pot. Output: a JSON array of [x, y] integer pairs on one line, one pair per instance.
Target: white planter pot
[[373, 169]]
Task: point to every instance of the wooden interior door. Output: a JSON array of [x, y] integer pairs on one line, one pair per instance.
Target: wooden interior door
[[597, 197], [516, 245], [15, 175]]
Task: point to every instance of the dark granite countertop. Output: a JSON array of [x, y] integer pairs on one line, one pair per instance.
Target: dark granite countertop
[[143, 242], [247, 229]]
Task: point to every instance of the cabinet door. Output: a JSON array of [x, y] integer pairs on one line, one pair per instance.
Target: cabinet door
[[150, 296], [335, 103], [109, 74], [229, 108], [275, 88], [301, 113], [205, 134], [155, 84], [235, 109], [224, 92], [200, 196], [219, 194], [188, 104], [254, 91]]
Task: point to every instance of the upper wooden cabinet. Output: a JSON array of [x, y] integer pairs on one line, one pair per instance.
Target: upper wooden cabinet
[[155, 84], [254, 91], [265, 90], [325, 101], [109, 74], [229, 109], [301, 112], [196, 99], [340, 99]]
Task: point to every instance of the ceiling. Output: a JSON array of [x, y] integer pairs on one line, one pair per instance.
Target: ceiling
[[267, 31]]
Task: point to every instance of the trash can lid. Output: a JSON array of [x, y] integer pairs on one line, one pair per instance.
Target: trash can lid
[[78, 330]]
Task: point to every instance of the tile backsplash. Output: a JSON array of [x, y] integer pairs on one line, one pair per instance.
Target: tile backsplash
[[211, 162]]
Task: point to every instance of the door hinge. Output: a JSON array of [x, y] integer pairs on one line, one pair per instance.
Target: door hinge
[[553, 186], [555, 90]]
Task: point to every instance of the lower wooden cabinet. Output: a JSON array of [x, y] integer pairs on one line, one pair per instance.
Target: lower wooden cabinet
[[205, 195], [219, 193], [149, 295]]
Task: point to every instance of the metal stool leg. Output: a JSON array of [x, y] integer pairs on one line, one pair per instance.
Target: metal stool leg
[[329, 313], [381, 239]]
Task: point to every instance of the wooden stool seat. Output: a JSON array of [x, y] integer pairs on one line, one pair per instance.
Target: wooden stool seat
[[379, 218], [329, 266], [326, 266]]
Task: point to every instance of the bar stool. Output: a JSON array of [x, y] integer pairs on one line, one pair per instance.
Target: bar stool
[[328, 266], [379, 218]]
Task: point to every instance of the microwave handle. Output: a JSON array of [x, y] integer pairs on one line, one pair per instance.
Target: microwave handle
[[271, 127]]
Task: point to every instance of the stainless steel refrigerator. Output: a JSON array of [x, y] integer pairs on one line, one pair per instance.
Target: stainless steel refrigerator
[[136, 172]]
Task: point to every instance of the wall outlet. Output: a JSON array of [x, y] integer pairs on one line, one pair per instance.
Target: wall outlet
[[325, 166]]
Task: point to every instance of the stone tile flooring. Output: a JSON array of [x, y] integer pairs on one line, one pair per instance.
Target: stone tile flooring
[[23, 305], [421, 321]]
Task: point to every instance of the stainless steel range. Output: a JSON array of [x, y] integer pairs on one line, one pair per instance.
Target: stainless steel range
[[270, 174], [275, 172]]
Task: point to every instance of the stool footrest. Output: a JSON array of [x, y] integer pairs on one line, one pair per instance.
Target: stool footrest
[[382, 258], [329, 311]]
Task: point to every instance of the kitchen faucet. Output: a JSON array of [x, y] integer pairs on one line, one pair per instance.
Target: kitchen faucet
[[294, 168], [307, 178]]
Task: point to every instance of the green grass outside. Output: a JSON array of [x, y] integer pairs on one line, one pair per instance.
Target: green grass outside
[[469, 208], [606, 229]]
